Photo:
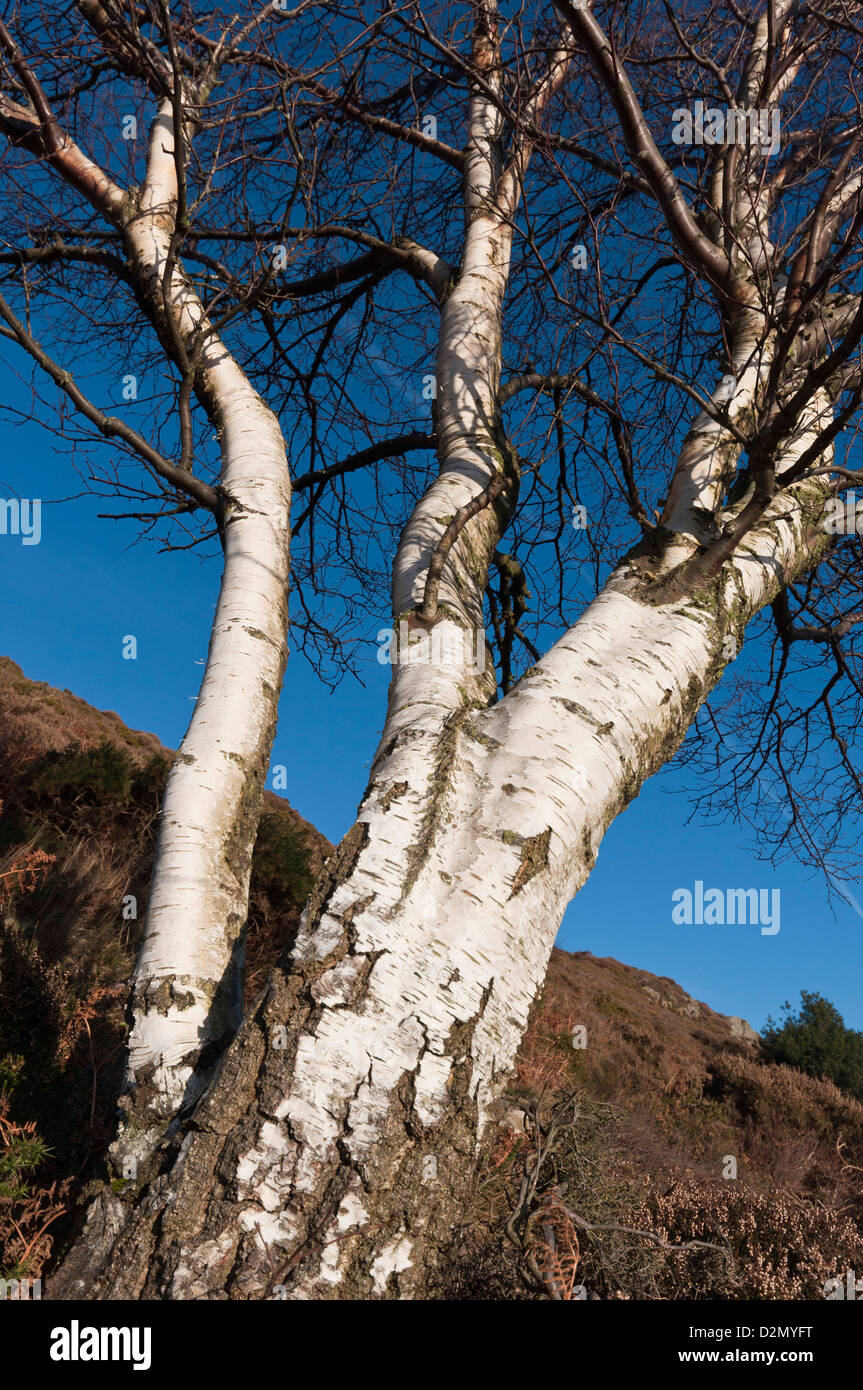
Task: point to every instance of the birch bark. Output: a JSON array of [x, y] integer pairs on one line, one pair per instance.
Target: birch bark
[[187, 987], [334, 1164], [188, 977]]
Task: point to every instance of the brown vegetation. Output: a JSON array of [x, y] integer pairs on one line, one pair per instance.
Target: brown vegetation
[[620, 1150], [79, 804]]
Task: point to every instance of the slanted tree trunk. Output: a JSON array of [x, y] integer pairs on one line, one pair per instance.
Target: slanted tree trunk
[[187, 999], [333, 1154]]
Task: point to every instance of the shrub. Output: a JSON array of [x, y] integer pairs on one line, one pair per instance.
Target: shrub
[[782, 1097], [103, 773], [21, 870], [281, 860], [817, 1041], [782, 1248], [27, 1207]]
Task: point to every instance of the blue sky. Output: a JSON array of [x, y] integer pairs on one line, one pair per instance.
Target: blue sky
[[72, 599]]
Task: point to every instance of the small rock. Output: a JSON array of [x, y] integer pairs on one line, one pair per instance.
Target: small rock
[[741, 1029]]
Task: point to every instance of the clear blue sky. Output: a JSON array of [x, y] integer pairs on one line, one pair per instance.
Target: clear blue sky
[[70, 601]]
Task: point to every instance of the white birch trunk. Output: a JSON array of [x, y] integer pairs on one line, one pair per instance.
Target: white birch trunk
[[188, 977], [460, 921], [334, 1162]]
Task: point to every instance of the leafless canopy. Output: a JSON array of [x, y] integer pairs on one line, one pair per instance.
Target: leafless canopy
[[321, 221]]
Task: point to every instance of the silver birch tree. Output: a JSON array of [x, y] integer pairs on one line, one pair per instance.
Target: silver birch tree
[[327, 1151]]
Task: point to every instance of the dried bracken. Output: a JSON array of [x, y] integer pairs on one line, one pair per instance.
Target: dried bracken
[[22, 869], [554, 1250]]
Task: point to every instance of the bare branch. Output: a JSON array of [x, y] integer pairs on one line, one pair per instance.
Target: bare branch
[[112, 428]]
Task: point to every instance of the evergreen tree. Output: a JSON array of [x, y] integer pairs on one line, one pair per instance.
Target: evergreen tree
[[817, 1041]]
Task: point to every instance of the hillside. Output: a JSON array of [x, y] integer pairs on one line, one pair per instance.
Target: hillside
[[633, 1105], [77, 783], [664, 1120], [79, 802]]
